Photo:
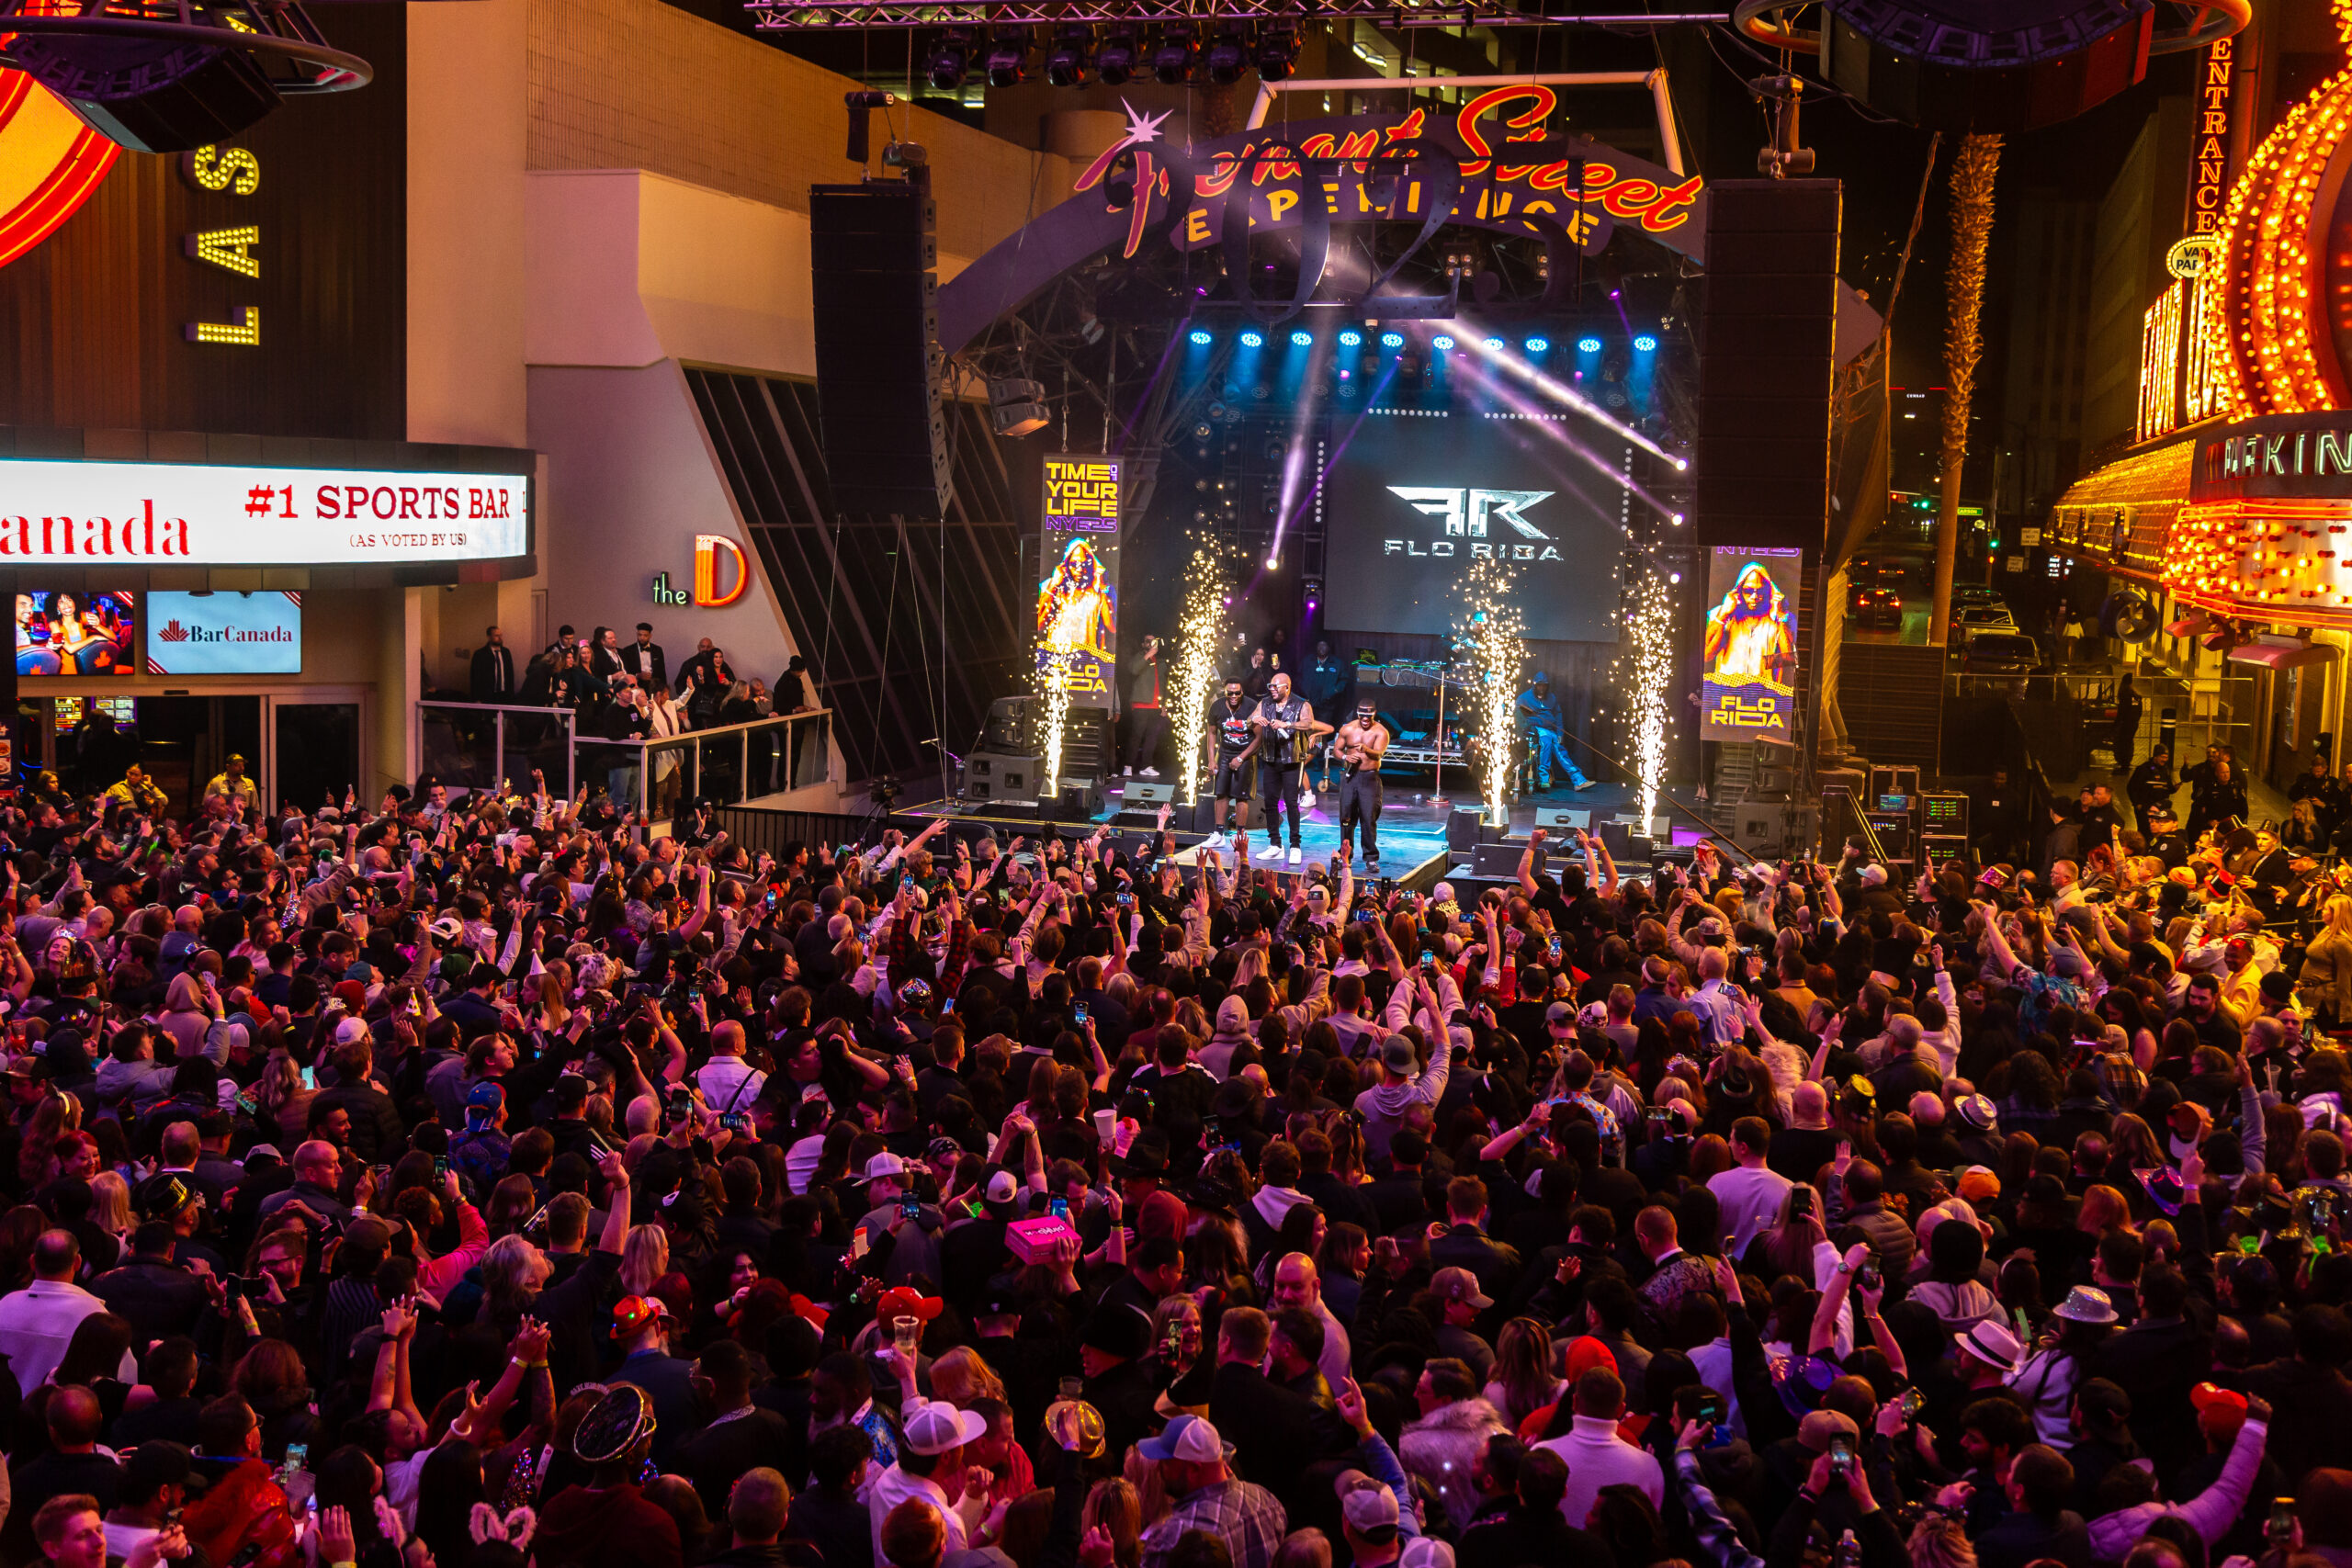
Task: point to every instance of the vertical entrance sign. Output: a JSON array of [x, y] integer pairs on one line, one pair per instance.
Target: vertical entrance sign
[[1078, 599]]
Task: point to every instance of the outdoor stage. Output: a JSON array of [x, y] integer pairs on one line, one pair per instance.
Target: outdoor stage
[[1412, 828]]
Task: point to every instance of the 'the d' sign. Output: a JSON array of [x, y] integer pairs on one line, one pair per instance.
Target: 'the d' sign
[[709, 549]]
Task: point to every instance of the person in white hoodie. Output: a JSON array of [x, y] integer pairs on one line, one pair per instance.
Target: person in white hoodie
[[1404, 1082], [2210, 1513]]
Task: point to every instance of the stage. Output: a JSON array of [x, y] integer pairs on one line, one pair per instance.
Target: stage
[[1413, 849]]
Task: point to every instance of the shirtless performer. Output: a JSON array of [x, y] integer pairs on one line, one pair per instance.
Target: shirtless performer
[[1361, 743]]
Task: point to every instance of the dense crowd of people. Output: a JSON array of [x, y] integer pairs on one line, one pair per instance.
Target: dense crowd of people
[[476, 1182]]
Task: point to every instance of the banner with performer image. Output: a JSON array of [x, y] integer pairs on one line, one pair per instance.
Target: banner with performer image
[[1750, 650], [1077, 600]]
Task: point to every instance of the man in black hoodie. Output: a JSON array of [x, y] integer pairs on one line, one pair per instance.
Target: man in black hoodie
[[1534, 1530]]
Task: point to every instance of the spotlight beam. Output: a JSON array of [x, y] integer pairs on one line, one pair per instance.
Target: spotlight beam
[[1550, 428], [1561, 392]]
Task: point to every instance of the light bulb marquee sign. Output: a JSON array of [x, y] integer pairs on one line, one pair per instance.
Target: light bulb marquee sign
[[1492, 164]]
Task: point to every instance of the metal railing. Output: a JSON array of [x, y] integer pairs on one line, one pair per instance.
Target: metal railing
[[478, 746]]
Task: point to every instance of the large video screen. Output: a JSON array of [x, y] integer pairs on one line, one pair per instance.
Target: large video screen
[[1750, 648], [69, 633], [1418, 498], [224, 634]]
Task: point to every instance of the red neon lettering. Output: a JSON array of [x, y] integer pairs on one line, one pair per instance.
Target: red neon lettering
[[1540, 99]]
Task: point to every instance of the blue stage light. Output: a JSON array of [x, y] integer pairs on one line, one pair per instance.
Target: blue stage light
[[1645, 343], [1494, 343], [1201, 337], [1538, 345], [1441, 341], [1302, 340], [1253, 339], [1351, 339], [1392, 340], [1587, 345]]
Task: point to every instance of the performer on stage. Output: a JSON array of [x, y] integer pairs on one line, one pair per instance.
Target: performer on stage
[[1235, 739], [1286, 729], [1541, 712], [1361, 743]]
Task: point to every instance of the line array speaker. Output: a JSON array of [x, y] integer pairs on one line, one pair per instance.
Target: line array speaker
[[872, 252], [1767, 341]]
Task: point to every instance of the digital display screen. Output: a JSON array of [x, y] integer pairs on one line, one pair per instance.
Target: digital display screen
[[224, 634], [71, 710], [1749, 651], [65, 632], [1416, 499]]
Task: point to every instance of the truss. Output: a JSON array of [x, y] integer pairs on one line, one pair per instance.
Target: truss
[[805, 14]]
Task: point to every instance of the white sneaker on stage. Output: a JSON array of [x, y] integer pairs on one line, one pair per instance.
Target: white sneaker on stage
[[1126, 772], [1270, 852], [1297, 855], [1150, 774], [1217, 841], [1306, 800]]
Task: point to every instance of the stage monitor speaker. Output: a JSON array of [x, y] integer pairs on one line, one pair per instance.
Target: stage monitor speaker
[[1766, 332], [1079, 802], [1559, 819], [873, 297], [1002, 776], [1626, 845], [1466, 828], [1496, 861], [1008, 725], [1140, 792]]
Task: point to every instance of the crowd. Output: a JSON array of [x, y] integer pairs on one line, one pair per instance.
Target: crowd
[[475, 1183]]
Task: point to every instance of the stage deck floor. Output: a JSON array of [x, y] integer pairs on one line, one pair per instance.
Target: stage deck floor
[[1412, 827]]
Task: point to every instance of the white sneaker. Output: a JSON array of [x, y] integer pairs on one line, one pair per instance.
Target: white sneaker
[[1297, 855], [1270, 852], [1150, 774], [1217, 841], [1306, 800], [1126, 772]]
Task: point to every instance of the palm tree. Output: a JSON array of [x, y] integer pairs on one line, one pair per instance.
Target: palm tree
[[1972, 232]]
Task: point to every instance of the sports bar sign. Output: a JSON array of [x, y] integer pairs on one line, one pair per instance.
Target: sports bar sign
[[99, 513]]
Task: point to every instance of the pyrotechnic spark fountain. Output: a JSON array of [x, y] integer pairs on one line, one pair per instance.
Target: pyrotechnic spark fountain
[[1491, 634], [1649, 620], [1199, 640]]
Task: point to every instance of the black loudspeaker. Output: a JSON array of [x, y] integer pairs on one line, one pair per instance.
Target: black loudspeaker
[[997, 775], [1626, 847], [1496, 860], [874, 293], [1766, 338], [1465, 830]]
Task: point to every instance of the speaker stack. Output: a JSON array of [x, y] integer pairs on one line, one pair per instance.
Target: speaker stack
[[872, 252], [1767, 340]]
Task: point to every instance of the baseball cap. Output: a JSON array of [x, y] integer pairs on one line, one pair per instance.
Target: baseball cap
[[1368, 1507], [350, 1031], [1873, 876], [1560, 1015], [882, 1165], [1117, 1330], [1003, 1187], [1459, 1285], [1820, 1427], [1422, 1551], [2220, 1411], [937, 1428], [1396, 1054], [1190, 1438], [900, 1301], [1978, 1183], [635, 1312], [446, 928], [483, 1101]]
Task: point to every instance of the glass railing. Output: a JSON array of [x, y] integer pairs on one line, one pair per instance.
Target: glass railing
[[477, 746]]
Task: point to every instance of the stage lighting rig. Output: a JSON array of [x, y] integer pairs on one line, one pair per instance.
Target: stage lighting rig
[[1277, 57], [1115, 62], [1229, 53], [173, 76], [1172, 57], [1007, 56], [951, 58], [1070, 58]]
